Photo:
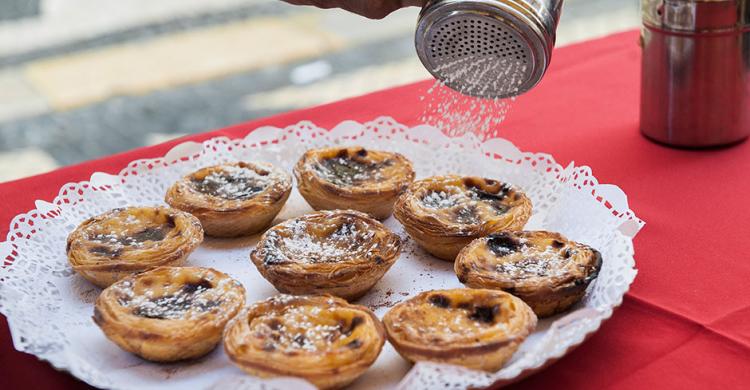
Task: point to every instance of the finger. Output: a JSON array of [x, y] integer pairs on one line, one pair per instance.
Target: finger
[[297, 2], [315, 3], [413, 3], [375, 9]]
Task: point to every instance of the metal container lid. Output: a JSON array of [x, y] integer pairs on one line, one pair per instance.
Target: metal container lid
[[485, 48], [697, 16]]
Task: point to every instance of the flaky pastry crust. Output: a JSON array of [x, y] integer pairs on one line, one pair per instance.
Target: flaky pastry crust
[[549, 272], [108, 247], [322, 339], [169, 313], [444, 213], [338, 252], [353, 178], [475, 328], [233, 199]]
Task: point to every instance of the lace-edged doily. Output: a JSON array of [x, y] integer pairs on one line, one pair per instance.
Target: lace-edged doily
[[49, 307]]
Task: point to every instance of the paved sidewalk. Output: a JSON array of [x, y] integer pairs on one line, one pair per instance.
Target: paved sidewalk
[[119, 75]]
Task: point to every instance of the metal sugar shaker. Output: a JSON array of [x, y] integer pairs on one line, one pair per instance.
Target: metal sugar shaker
[[488, 48]]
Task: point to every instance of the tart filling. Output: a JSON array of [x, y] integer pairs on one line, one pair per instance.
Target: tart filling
[[106, 248], [479, 329], [347, 170], [444, 213], [353, 177], [169, 313], [341, 252], [232, 199], [546, 270], [231, 182], [320, 338]]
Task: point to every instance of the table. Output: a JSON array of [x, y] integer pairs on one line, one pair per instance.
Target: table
[[686, 321]]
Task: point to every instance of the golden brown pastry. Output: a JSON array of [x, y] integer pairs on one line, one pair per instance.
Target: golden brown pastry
[[444, 213], [322, 339], [478, 329], [233, 199], [549, 272], [353, 178], [339, 252], [169, 313], [108, 247]]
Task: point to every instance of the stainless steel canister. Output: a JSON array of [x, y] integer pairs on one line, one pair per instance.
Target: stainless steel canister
[[695, 82]]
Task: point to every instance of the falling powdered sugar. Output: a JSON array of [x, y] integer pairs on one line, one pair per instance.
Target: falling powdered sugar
[[457, 114]]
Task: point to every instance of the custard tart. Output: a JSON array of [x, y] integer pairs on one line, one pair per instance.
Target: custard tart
[[108, 247], [444, 213], [322, 339], [339, 252], [549, 272], [169, 313], [475, 328], [233, 199], [353, 178]]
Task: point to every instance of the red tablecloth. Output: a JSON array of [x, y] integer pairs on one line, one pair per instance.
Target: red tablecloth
[[685, 323]]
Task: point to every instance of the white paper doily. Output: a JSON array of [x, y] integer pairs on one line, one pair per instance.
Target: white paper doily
[[49, 307]]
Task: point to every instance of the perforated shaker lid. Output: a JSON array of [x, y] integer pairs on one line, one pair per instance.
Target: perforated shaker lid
[[484, 48]]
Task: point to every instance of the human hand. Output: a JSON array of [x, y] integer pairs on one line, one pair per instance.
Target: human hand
[[373, 9]]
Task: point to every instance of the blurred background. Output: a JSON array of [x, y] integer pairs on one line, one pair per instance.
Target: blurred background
[[81, 79]]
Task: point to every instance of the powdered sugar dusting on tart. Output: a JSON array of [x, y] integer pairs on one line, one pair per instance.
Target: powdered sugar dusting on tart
[[438, 320], [345, 171], [442, 200], [529, 261], [236, 182], [453, 325], [189, 302], [462, 205], [296, 328], [302, 327], [129, 232], [297, 244]]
